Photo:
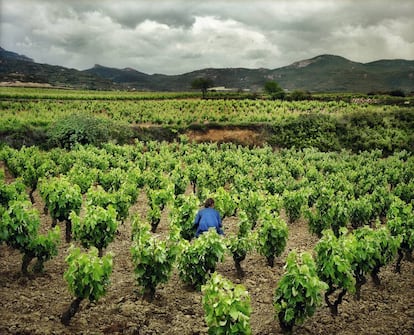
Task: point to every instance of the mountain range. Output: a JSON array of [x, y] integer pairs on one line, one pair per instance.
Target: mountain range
[[324, 73]]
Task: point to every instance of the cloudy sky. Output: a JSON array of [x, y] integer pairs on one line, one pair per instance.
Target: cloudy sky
[[177, 36]]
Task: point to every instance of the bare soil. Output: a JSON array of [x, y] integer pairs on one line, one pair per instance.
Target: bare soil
[[240, 136], [34, 305]]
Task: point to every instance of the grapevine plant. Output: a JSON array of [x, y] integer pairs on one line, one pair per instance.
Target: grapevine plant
[[111, 179], [43, 248], [61, 198], [330, 211], [334, 266], [30, 164], [242, 243], [224, 202], [10, 192], [183, 213], [226, 306], [199, 258], [373, 249], [157, 200], [298, 292], [252, 203], [293, 202], [120, 200], [87, 277], [180, 179], [153, 259], [83, 176], [96, 228], [360, 211], [400, 222], [272, 237], [19, 229]]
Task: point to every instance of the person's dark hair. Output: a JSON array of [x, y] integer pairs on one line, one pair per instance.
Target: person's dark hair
[[209, 203]]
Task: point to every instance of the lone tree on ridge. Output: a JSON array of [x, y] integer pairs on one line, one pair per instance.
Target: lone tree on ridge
[[274, 90], [202, 84]]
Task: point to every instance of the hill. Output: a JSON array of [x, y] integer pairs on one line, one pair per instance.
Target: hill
[[329, 73], [4, 54], [18, 68], [324, 73]]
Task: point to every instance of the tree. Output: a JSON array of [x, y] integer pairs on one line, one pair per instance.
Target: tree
[[202, 84], [274, 90]]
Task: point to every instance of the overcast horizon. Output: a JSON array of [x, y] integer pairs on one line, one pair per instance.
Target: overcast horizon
[[177, 36]]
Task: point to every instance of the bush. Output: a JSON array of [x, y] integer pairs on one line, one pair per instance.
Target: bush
[[305, 131], [85, 129], [298, 95], [397, 93]]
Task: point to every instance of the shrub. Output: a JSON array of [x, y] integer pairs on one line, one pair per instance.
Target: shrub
[[85, 129]]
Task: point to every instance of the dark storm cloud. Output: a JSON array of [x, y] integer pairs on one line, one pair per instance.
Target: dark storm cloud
[[175, 36]]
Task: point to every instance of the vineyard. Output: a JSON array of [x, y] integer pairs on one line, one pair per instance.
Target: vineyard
[[40, 117], [99, 239]]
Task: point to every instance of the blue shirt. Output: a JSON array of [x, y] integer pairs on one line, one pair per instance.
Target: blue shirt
[[208, 218]]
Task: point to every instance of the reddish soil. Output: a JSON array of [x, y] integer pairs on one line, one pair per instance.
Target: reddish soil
[[34, 306], [240, 136]]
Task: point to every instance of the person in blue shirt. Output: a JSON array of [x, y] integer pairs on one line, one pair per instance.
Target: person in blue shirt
[[208, 217]]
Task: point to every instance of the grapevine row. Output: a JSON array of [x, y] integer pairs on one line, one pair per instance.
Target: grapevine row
[[343, 192]]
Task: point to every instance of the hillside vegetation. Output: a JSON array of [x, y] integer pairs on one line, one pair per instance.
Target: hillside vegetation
[[328, 122]]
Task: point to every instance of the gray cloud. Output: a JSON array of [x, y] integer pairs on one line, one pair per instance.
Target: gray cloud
[[176, 36], [132, 13]]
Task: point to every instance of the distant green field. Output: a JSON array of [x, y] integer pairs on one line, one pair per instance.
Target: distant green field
[[41, 107], [328, 122], [62, 94]]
